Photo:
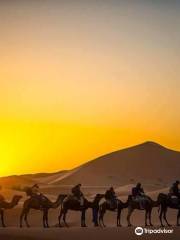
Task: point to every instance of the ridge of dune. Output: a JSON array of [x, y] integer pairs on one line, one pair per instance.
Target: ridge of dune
[[146, 162], [61, 177]]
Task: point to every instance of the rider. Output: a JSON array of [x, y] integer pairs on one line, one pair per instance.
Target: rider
[[76, 191], [35, 192], [138, 194], [174, 190], [110, 197], [35, 189]]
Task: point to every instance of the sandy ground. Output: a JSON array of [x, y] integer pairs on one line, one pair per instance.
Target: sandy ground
[[36, 232], [81, 234]]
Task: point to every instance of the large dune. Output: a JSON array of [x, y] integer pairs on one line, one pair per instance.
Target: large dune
[[148, 162]]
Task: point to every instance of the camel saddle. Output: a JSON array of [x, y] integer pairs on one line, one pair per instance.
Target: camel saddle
[[112, 203], [71, 197], [175, 200], [140, 200]]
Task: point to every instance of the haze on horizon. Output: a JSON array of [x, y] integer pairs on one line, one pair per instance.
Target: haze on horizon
[[83, 78]]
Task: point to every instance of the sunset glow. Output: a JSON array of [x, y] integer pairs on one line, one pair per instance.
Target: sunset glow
[[78, 80]]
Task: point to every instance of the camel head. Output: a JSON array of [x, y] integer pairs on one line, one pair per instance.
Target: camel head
[[98, 197], [62, 196], [59, 200], [16, 199]]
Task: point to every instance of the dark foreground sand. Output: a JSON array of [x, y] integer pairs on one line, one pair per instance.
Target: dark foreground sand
[[75, 233], [36, 232]]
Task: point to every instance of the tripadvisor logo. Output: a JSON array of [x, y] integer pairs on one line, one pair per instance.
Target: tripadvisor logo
[[140, 231]]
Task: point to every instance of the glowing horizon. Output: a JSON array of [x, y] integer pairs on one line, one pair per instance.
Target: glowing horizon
[[83, 79]]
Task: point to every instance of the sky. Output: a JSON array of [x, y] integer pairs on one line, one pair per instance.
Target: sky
[[79, 79]]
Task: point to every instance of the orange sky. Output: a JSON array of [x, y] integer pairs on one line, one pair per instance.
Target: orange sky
[[81, 80]]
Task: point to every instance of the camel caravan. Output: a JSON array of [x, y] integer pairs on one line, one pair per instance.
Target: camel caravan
[[99, 205]]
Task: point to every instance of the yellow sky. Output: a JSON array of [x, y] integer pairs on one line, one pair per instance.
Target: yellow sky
[[81, 80]]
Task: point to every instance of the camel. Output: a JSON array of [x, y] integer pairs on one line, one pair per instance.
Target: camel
[[106, 206], [39, 204], [149, 204], [165, 203], [8, 205], [72, 204]]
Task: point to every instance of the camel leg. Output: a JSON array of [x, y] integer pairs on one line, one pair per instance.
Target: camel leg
[[47, 219], [178, 217], [83, 218], [44, 218], [26, 219], [130, 211], [119, 217], [60, 216], [21, 218], [150, 214], [95, 217], [2, 218], [64, 218], [146, 214], [165, 218], [101, 217], [160, 216]]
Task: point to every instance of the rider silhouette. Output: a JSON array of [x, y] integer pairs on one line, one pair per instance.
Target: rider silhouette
[[76, 191], [110, 197], [138, 194], [138, 190], [174, 190], [35, 193], [35, 189]]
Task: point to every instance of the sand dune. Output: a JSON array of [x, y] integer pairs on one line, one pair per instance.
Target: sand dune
[[50, 178], [16, 181], [148, 162]]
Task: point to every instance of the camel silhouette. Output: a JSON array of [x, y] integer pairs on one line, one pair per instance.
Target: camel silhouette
[[39, 204], [106, 206], [165, 203], [8, 205], [73, 204], [149, 204]]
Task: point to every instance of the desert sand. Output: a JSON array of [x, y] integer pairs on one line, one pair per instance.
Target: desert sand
[[81, 234], [155, 166]]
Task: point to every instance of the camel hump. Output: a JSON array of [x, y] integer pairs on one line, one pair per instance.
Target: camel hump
[[71, 197]]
